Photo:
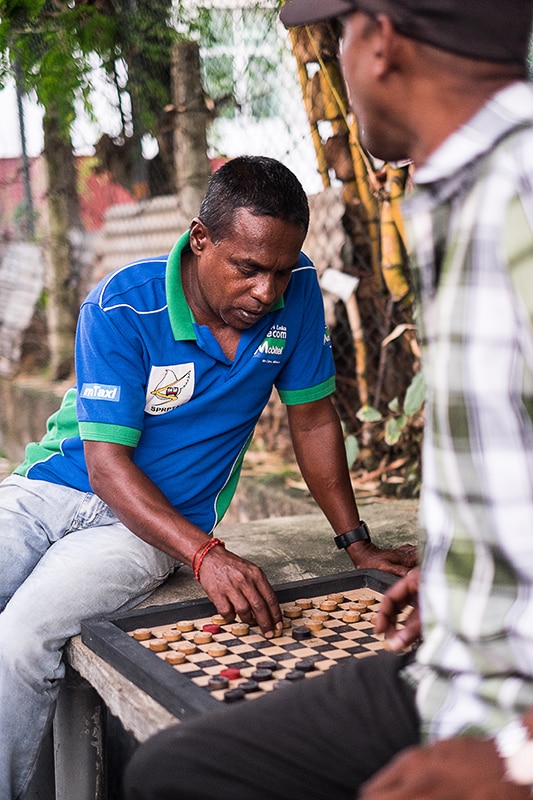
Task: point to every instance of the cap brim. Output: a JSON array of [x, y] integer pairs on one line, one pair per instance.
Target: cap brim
[[302, 12]]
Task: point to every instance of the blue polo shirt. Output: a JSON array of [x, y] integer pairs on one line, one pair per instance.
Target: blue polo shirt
[[150, 378]]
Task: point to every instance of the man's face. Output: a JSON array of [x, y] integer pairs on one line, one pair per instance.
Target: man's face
[[241, 277], [372, 90]]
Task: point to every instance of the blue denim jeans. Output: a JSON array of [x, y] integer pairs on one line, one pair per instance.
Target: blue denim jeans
[[64, 557]]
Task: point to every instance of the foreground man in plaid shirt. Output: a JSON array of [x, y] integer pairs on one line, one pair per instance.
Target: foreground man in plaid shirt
[[441, 82]]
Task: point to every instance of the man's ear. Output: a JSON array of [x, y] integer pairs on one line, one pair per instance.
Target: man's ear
[[385, 41], [198, 235]]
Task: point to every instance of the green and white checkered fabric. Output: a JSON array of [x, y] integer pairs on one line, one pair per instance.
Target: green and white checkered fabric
[[470, 221]]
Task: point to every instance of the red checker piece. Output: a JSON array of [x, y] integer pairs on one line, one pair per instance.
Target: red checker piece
[[232, 673], [211, 627]]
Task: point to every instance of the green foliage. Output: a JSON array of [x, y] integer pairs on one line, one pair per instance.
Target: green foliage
[[238, 39], [413, 402], [264, 102], [394, 428], [400, 414], [351, 446], [369, 414], [144, 39], [414, 396], [352, 450], [21, 216], [56, 44]]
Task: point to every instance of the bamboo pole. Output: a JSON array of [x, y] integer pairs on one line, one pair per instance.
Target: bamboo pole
[[315, 134]]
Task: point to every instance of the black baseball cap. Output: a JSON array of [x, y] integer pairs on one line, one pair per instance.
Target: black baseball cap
[[492, 30]]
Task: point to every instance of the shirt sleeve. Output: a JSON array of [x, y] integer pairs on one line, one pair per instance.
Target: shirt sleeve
[[519, 251], [310, 372], [111, 377]]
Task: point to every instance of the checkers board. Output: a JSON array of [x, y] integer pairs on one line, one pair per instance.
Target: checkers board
[[169, 654]]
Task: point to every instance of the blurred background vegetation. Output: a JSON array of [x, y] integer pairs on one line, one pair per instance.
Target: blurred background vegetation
[[127, 102]]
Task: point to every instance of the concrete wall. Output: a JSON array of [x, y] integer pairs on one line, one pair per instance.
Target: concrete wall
[[25, 405]]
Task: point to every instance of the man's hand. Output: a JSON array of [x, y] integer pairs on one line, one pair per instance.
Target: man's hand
[[318, 443], [453, 769], [403, 593], [397, 561], [234, 585], [239, 587]]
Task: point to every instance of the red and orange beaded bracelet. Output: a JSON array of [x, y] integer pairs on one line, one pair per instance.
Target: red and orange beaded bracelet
[[201, 553]]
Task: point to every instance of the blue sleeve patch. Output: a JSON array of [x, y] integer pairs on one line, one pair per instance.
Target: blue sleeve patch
[[100, 391]]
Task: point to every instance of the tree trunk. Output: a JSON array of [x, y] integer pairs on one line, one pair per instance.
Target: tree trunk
[[190, 138], [65, 228]]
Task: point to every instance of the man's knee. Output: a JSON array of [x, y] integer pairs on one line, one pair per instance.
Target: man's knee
[[27, 655], [150, 772]]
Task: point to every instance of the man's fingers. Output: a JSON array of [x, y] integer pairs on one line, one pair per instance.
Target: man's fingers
[[396, 599], [397, 639], [259, 606], [238, 587], [408, 554], [462, 769], [391, 567], [257, 601], [251, 608], [397, 561]]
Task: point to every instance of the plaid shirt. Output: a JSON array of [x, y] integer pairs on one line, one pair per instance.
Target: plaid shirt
[[470, 221]]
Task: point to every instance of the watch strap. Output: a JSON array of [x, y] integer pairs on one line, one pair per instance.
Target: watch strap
[[360, 534]]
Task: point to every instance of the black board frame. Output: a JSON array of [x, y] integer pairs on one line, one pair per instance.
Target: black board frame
[[109, 638]]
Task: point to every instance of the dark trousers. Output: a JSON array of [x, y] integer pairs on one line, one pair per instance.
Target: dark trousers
[[319, 739]]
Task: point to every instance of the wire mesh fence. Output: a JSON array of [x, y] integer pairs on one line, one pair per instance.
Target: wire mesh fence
[[118, 73]]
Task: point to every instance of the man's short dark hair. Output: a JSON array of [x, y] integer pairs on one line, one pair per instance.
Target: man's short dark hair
[[263, 186]]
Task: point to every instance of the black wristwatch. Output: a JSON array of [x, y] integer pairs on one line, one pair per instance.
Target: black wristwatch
[[360, 534]]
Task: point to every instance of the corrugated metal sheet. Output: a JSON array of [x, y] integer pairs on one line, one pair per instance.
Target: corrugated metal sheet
[[150, 228]]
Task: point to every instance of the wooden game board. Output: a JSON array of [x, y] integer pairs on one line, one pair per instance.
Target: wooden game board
[[142, 644]]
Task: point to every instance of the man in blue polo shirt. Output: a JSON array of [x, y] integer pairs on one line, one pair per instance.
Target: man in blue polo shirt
[[175, 359]]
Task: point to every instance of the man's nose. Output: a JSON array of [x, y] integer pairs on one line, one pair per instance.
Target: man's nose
[[264, 289]]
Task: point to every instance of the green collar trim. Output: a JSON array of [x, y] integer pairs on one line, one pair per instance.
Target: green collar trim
[[179, 312]]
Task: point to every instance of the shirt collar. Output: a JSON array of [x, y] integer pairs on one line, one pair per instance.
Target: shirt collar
[[179, 311], [507, 109], [181, 318]]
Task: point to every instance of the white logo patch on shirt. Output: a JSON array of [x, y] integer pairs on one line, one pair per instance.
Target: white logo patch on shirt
[[271, 348], [100, 391], [169, 387]]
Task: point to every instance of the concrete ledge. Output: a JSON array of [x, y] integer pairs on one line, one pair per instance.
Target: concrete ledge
[[299, 546]]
